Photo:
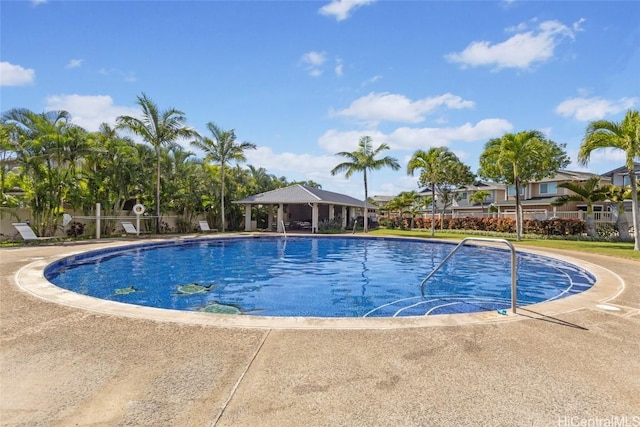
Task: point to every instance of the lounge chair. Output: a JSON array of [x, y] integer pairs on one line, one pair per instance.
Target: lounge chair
[[27, 233], [129, 228], [204, 226]]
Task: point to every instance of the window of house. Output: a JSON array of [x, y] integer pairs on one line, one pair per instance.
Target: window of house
[[511, 190], [463, 196], [548, 188], [626, 181]]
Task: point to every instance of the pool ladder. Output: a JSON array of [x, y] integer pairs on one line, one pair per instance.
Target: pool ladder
[[514, 266], [284, 230]]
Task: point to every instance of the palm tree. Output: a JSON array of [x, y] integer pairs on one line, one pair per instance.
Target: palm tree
[[624, 136], [362, 160], [409, 202], [158, 128], [41, 143], [587, 192], [222, 149], [441, 170], [518, 158], [479, 197], [617, 195]]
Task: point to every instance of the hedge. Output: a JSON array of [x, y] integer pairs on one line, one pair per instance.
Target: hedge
[[545, 227]]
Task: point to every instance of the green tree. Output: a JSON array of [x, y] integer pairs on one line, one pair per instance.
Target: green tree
[[624, 136], [587, 192], [362, 160], [7, 177], [222, 149], [617, 195], [442, 171], [409, 202], [45, 145], [114, 171], [479, 196], [519, 158], [158, 128]]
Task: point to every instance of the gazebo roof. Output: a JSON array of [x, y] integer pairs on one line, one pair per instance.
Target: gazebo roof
[[298, 194]]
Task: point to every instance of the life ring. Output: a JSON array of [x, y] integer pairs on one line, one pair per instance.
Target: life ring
[[138, 209]]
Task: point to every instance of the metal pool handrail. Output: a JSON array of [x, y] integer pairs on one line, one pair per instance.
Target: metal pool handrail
[[514, 267], [284, 230]]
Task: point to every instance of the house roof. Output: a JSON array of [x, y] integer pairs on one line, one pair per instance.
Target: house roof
[[300, 194], [566, 175], [623, 170], [483, 185]]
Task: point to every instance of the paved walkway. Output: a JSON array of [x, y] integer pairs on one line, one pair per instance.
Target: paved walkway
[[65, 366]]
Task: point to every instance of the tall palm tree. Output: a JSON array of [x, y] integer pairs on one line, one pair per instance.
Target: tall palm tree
[[363, 160], [625, 136], [587, 192], [518, 158], [439, 167], [158, 128], [222, 149]]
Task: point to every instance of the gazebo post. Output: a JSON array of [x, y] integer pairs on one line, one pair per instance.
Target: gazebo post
[[270, 217], [280, 217], [247, 217], [314, 218]]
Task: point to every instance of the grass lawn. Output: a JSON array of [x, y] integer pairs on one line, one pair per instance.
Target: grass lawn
[[616, 249]]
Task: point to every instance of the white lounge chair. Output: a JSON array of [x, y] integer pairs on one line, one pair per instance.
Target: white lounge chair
[[129, 228], [27, 233], [204, 226]]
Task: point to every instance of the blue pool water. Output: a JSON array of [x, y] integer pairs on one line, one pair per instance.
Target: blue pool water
[[315, 276]]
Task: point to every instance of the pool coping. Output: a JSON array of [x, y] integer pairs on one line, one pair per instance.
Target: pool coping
[[30, 278]]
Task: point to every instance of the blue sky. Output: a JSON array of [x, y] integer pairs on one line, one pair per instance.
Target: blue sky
[[306, 79]]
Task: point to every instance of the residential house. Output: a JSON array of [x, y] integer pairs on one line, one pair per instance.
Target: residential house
[[464, 206], [620, 177], [537, 197]]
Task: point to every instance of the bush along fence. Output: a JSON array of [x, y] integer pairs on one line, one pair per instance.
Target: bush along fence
[[545, 227]]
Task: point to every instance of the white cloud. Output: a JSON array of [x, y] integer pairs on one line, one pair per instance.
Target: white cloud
[[341, 9], [15, 75], [297, 166], [74, 63], [587, 109], [376, 107], [522, 50], [127, 76], [89, 111], [371, 80], [313, 62], [38, 2], [407, 138], [339, 69], [419, 138], [334, 141]]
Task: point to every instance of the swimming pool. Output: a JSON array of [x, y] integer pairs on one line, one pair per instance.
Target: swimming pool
[[319, 276]]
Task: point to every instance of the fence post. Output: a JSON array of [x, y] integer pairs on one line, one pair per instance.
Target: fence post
[[98, 226]]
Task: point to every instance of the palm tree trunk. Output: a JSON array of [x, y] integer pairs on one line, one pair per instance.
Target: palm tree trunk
[[158, 194], [617, 213], [518, 210], [433, 210], [366, 208], [634, 209], [222, 196]]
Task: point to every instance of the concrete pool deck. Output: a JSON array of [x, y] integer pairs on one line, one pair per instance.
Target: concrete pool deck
[[573, 361]]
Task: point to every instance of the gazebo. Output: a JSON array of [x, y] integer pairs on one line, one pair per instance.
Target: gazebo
[[301, 207]]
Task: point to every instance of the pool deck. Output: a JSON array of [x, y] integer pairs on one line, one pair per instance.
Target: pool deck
[[567, 363]]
